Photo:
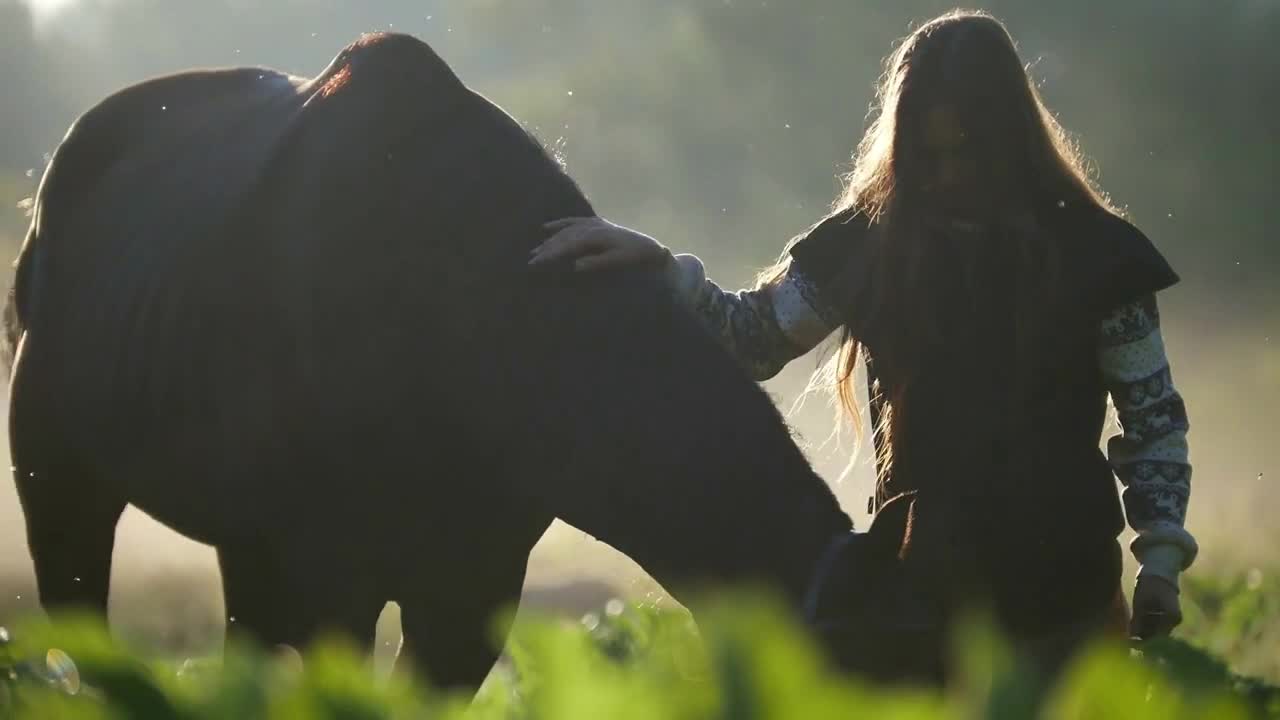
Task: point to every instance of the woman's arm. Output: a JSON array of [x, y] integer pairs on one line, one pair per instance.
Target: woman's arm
[[764, 328], [1151, 456]]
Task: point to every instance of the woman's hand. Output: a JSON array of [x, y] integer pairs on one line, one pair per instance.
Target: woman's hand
[[1156, 610], [593, 243]]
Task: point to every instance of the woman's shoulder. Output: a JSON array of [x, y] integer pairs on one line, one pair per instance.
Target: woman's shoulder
[[1097, 228], [1113, 259], [829, 245], [830, 260], [1104, 226]]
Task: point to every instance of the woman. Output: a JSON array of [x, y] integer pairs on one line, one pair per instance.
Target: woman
[[998, 298]]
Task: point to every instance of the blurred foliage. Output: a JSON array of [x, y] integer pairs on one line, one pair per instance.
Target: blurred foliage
[[1236, 616], [743, 660]]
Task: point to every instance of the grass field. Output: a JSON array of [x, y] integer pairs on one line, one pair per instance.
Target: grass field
[[641, 661]]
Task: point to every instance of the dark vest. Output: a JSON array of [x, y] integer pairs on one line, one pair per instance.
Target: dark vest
[[1004, 435]]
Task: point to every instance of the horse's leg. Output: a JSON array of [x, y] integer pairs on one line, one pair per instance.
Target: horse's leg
[[71, 524], [70, 514], [453, 637], [289, 597], [453, 630], [253, 591]]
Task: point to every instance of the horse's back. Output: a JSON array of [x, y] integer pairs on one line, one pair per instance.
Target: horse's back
[[166, 287]]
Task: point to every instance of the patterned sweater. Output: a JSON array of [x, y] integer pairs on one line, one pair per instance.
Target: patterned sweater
[[769, 326]]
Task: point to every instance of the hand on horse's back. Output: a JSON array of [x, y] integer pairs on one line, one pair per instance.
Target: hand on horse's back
[[593, 243]]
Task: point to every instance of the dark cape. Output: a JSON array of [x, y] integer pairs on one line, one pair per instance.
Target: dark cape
[[1000, 438]]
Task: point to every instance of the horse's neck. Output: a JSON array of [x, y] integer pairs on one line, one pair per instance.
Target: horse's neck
[[753, 529], [794, 518], [668, 453]]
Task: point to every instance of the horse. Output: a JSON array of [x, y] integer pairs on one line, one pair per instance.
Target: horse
[[291, 318]]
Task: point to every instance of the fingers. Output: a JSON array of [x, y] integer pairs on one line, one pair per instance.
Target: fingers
[[572, 237], [562, 223], [1151, 625], [568, 243], [592, 243], [600, 261], [568, 235]]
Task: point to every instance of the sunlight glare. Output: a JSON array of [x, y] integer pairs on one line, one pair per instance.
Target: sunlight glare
[[46, 8]]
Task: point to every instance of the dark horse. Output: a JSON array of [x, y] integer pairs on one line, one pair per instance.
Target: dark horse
[[291, 318]]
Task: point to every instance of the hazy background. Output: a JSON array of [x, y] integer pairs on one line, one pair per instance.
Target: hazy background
[[719, 126]]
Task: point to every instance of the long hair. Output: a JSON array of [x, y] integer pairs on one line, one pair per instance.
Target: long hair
[[958, 130]]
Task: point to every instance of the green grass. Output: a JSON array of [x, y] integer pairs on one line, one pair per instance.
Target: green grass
[[742, 660]]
